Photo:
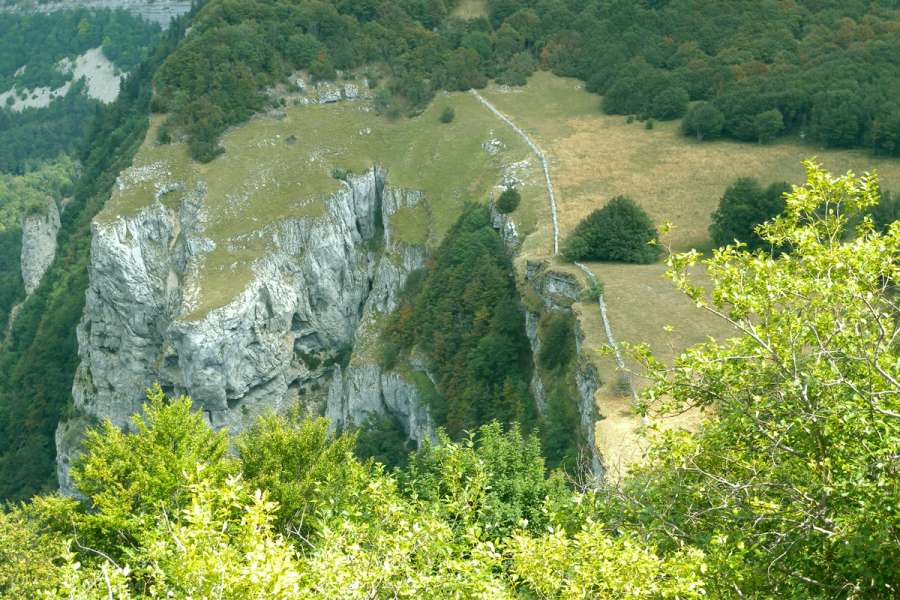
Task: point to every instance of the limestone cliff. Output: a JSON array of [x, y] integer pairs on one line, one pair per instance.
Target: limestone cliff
[[156, 11], [278, 342], [39, 230]]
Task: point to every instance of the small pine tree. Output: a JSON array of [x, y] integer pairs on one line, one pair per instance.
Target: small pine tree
[[447, 115], [620, 231], [509, 200]]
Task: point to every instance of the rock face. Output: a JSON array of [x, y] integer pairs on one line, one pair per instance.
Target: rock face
[[277, 343], [38, 244], [558, 291], [156, 11]]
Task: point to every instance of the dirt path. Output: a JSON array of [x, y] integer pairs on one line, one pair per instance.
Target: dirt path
[[620, 360], [539, 153]]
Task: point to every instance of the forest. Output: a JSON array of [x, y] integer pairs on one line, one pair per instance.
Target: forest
[[817, 70], [31, 47]]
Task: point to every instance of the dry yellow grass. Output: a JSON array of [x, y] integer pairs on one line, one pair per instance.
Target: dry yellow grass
[[643, 307], [676, 179], [471, 9], [595, 157]]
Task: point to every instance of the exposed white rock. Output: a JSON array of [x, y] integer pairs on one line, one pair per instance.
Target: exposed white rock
[[38, 244], [155, 11], [506, 227], [308, 298], [101, 77], [557, 290]]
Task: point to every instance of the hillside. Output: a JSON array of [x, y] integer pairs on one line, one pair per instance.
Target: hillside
[[291, 305], [595, 157]]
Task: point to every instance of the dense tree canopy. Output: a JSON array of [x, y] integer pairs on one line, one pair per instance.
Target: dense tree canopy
[[464, 317], [620, 231], [744, 206], [476, 519], [828, 67], [31, 48]]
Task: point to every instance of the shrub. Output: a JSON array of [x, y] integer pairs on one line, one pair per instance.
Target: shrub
[[620, 231], [648, 124], [340, 173], [509, 200], [448, 114], [669, 104], [743, 207], [382, 439], [163, 135], [704, 121]]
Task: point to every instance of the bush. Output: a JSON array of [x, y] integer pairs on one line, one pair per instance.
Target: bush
[[648, 124], [448, 114], [620, 231], [669, 104], [509, 200], [704, 121], [341, 174], [744, 206]]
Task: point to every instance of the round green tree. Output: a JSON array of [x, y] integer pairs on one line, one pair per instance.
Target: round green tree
[[768, 125], [703, 121], [620, 231], [509, 200], [669, 104]]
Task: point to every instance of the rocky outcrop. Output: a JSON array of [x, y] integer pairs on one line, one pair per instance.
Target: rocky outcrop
[[506, 227], [557, 291], [155, 11], [276, 343], [39, 230], [363, 388]]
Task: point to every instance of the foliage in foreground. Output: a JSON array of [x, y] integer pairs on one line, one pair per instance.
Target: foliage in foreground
[[792, 487], [620, 231], [479, 519]]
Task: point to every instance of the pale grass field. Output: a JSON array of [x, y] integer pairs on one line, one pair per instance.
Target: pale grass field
[[595, 157], [471, 9], [676, 179]]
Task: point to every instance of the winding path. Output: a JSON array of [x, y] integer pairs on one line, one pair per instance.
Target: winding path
[[620, 360], [546, 165]]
